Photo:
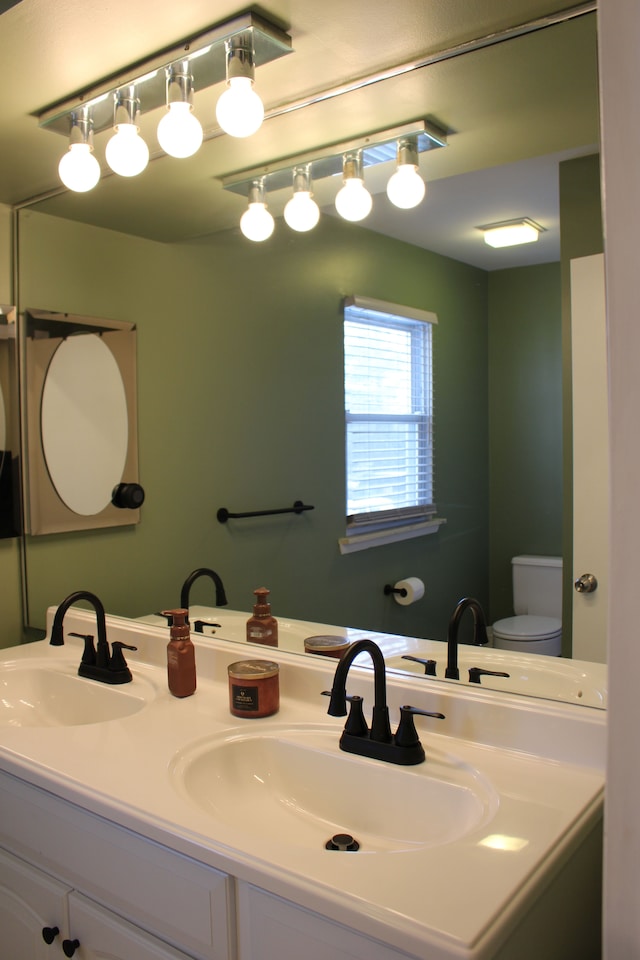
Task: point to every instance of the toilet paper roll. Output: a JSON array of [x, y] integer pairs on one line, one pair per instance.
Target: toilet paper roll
[[413, 590]]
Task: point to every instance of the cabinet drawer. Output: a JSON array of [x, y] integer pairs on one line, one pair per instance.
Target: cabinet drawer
[[177, 899]]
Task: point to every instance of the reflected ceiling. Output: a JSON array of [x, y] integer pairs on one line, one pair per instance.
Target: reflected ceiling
[[534, 97]]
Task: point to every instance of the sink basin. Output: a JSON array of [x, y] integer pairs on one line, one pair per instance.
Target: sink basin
[[34, 695], [296, 783], [535, 675]]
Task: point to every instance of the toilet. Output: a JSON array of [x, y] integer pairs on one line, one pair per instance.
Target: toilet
[[537, 603]]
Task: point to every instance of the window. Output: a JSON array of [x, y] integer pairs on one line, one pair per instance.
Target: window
[[388, 417]]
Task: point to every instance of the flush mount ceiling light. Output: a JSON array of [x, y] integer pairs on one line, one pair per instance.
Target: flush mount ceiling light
[[227, 51], [348, 160], [510, 233]]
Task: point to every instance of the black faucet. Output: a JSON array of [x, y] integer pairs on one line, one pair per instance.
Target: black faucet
[[97, 663], [221, 597], [479, 633], [378, 742]]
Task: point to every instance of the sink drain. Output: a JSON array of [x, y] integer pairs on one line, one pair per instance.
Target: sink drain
[[342, 841]]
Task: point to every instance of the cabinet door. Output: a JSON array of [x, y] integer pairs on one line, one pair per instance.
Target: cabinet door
[[102, 935], [30, 902], [270, 928]]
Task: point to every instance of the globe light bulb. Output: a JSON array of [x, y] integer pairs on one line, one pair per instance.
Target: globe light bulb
[[256, 223], [301, 212], [180, 132], [240, 111], [78, 169], [353, 201], [126, 152], [406, 188]]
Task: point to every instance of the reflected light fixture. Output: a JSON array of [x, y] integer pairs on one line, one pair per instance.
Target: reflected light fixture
[[301, 212], [345, 162], [353, 200], [406, 188], [78, 168], [239, 110], [126, 152], [180, 132], [256, 223], [510, 233]]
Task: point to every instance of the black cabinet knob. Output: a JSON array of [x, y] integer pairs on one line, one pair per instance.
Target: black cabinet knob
[[69, 947], [50, 933]]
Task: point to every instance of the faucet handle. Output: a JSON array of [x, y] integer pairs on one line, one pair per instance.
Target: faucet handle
[[429, 665], [476, 672], [406, 734], [118, 661], [356, 724], [89, 653]]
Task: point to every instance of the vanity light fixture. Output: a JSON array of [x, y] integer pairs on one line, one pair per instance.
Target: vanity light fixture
[[256, 222], [510, 233], [240, 110], [406, 188], [353, 200], [302, 212], [180, 132], [78, 168], [228, 51], [347, 160], [126, 152]]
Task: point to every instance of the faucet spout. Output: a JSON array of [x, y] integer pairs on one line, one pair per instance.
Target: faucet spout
[[57, 634], [479, 633], [221, 597], [380, 726]]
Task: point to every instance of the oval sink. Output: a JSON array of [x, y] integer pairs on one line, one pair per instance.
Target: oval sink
[[534, 675], [298, 784], [44, 696]]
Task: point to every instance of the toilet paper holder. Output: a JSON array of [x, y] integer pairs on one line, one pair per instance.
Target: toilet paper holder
[[388, 589]]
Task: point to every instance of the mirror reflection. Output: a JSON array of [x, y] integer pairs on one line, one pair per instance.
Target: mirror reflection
[[240, 362]]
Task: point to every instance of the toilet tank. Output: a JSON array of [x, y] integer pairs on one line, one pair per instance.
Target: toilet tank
[[537, 586]]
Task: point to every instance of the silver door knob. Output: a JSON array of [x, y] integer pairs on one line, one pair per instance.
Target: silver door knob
[[587, 583]]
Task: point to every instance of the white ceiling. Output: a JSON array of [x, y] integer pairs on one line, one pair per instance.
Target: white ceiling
[[511, 111]]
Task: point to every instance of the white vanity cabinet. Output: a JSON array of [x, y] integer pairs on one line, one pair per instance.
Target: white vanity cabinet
[[123, 897], [30, 902]]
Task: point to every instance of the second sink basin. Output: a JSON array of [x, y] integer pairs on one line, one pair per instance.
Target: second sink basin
[[33, 695], [296, 783]]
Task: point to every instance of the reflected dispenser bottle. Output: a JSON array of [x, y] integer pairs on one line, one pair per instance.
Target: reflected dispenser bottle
[[181, 656], [262, 627]]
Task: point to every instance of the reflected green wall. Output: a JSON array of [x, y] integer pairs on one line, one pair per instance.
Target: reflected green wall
[[240, 404], [525, 421]]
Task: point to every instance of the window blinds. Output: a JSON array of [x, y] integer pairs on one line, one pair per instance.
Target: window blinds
[[388, 412]]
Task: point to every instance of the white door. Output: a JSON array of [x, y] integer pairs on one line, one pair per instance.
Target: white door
[[590, 457]]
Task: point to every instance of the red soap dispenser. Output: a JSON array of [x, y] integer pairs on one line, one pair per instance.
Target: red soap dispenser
[[262, 627], [181, 656]]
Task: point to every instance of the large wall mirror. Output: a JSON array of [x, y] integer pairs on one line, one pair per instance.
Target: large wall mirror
[[234, 372]]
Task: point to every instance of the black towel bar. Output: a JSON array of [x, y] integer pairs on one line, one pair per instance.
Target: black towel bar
[[298, 507]]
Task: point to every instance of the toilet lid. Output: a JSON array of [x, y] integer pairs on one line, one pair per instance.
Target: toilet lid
[[527, 628]]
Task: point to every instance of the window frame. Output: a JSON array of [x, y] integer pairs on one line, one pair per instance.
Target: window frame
[[399, 523]]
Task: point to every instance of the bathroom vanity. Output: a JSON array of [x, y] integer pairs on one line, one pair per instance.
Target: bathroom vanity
[[135, 825]]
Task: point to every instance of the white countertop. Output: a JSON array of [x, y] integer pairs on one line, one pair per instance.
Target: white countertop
[[544, 763]]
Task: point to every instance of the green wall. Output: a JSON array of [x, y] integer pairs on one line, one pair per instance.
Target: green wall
[[240, 404], [580, 236], [525, 421]]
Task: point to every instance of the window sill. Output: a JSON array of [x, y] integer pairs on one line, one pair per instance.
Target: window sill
[[363, 541]]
